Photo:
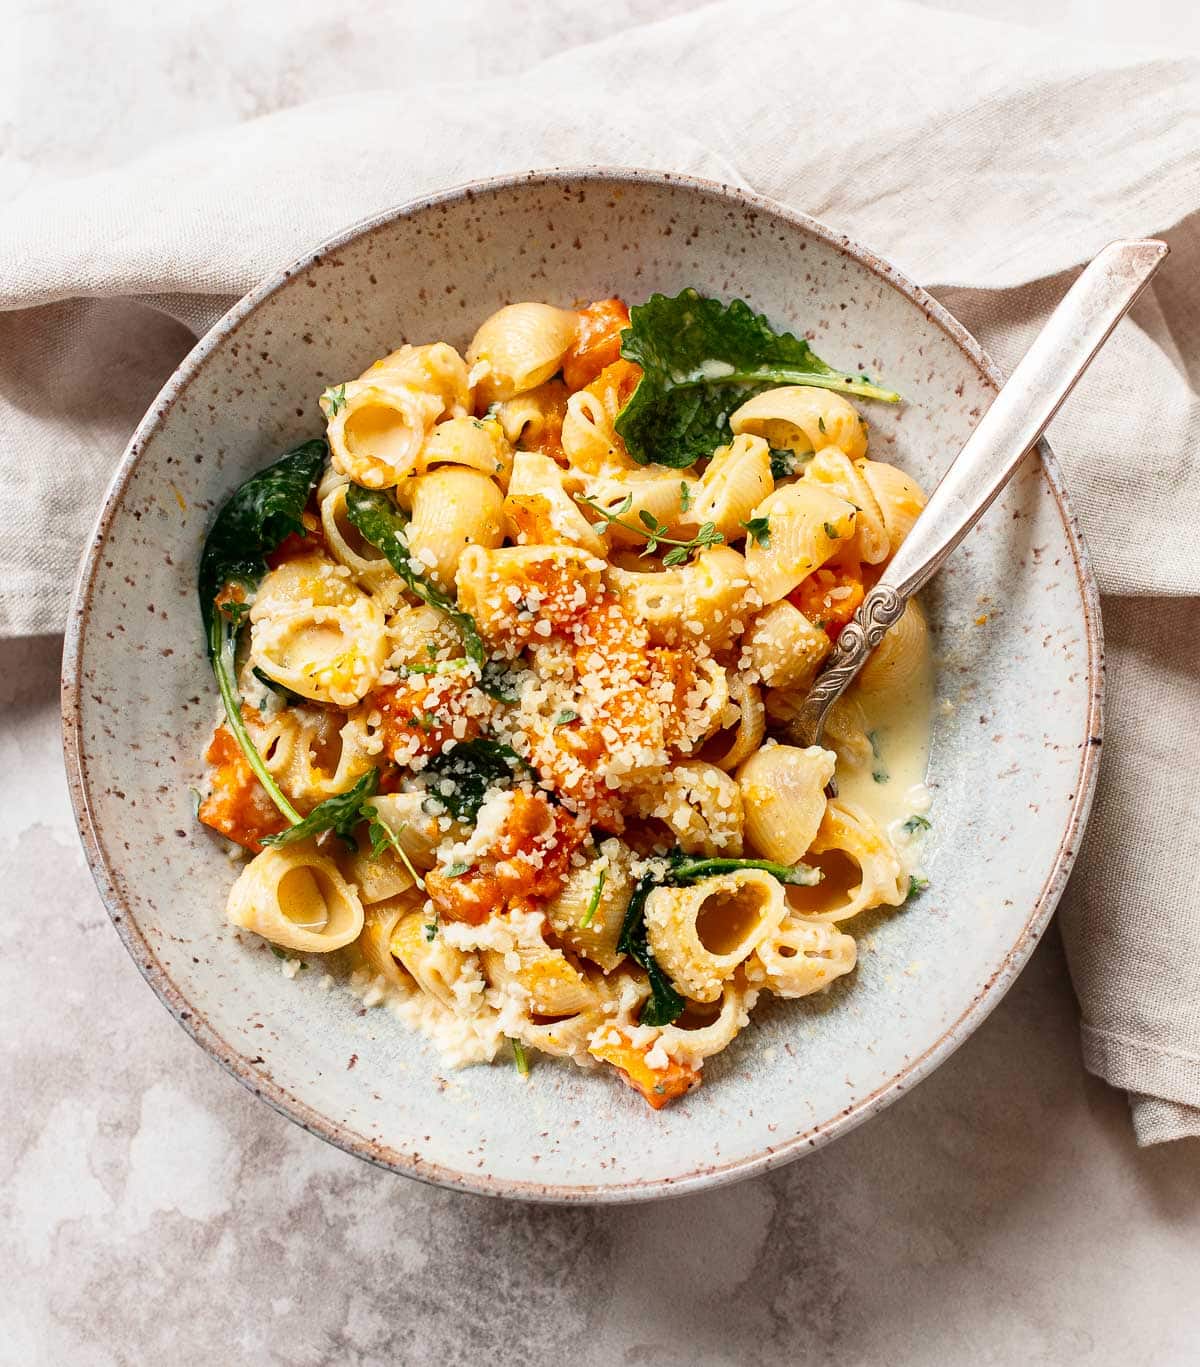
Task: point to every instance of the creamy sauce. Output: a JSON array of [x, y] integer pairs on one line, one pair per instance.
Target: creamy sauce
[[890, 785]]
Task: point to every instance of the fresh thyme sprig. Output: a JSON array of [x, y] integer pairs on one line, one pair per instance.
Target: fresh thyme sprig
[[655, 531]]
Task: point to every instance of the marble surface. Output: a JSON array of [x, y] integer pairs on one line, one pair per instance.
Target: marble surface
[[151, 1210]]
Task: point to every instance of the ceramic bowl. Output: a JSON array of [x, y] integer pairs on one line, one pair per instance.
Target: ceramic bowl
[[1016, 732]]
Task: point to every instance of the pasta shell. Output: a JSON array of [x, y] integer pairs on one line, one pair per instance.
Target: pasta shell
[[802, 957], [834, 470], [652, 493], [377, 434], [736, 481], [900, 498], [518, 348], [703, 600], [331, 654], [474, 443], [741, 735], [807, 525], [705, 1029], [803, 419], [296, 898], [453, 507], [783, 796], [597, 940], [701, 804], [366, 563], [375, 941], [899, 659], [539, 509], [784, 647], [533, 421], [555, 987], [699, 935], [442, 971], [859, 867]]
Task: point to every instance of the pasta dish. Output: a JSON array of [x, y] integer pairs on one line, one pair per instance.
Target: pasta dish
[[507, 661]]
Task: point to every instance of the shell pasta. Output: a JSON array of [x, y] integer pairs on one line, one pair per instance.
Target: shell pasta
[[507, 662]]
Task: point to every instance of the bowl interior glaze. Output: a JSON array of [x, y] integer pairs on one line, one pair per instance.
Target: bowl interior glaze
[[1012, 767]]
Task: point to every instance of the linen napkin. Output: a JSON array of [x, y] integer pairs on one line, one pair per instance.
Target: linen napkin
[[987, 161]]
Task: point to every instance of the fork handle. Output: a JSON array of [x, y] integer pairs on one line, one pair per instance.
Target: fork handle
[[1012, 425]]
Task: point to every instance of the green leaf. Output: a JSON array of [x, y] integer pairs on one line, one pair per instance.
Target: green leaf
[[472, 767], [831, 531], [457, 869], [759, 530], [519, 1056], [255, 519], [916, 823], [340, 814], [382, 837], [915, 886], [593, 902], [336, 399], [566, 717], [381, 523], [290, 698], [685, 496], [702, 359]]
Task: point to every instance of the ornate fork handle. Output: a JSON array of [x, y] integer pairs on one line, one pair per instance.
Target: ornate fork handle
[[880, 609], [1018, 416]]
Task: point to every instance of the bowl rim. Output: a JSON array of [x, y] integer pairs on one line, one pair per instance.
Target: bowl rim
[[412, 1164]]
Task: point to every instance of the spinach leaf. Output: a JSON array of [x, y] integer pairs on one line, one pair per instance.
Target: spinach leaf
[[255, 520], [701, 359], [665, 1004], [257, 517], [290, 699], [339, 813], [378, 519], [471, 768]]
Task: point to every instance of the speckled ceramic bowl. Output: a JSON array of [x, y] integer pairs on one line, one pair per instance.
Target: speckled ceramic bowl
[[1016, 732]]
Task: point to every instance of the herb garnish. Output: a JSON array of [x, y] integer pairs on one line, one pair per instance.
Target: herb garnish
[[519, 1056], [879, 773], [456, 870], [685, 496], [382, 837], [665, 1004], [758, 529], [259, 514], [340, 814], [565, 717], [335, 399], [593, 901], [784, 462], [431, 931], [469, 770], [915, 885], [916, 823], [702, 359], [831, 531], [655, 531]]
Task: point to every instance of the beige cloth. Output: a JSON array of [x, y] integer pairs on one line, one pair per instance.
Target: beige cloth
[[987, 161]]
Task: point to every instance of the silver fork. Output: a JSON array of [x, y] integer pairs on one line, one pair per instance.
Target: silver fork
[[1018, 416]]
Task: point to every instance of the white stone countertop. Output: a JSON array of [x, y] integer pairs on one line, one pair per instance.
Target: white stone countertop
[[153, 1212]]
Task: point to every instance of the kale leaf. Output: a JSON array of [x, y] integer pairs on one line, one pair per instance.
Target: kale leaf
[[382, 523], [665, 1004], [471, 768], [257, 517], [702, 359], [340, 814]]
